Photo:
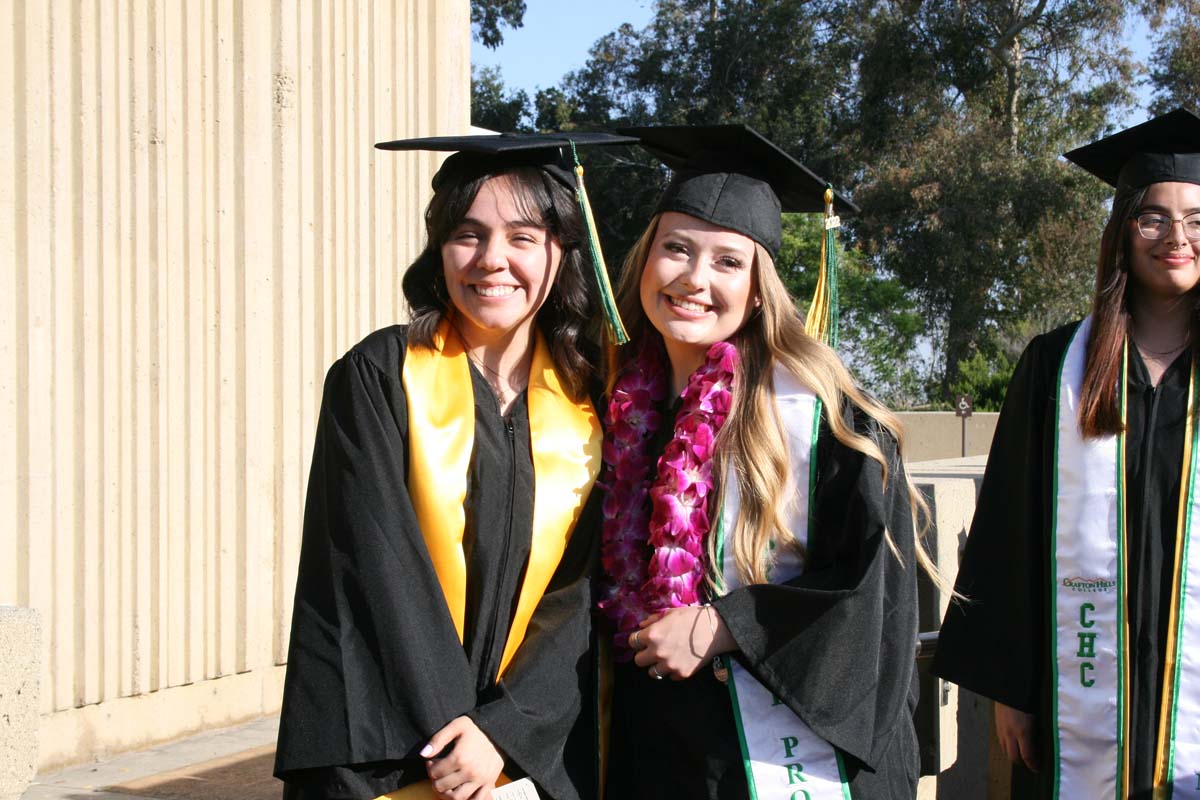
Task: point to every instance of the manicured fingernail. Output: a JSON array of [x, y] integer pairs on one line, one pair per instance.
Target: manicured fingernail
[[426, 751]]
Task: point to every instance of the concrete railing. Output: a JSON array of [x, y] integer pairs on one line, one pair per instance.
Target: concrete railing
[[959, 752]]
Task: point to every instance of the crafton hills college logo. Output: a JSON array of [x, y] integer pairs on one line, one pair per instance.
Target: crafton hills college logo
[[1089, 585]]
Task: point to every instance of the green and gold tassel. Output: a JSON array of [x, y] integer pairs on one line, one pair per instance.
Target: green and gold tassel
[[616, 328], [822, 320]]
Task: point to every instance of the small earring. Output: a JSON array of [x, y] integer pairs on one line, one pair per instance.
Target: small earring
[[758, 302]]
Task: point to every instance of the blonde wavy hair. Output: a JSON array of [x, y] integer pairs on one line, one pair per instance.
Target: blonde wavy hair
[[752, 440]]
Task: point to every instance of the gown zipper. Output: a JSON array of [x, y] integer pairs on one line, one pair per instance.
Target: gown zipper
[[510, 431], [1147, 450]]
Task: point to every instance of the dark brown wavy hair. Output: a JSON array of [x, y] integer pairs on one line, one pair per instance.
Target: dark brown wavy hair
[[567, 318]]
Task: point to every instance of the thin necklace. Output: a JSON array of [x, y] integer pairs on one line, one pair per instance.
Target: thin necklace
[[1148, 352], [493, 378], [498, 382]]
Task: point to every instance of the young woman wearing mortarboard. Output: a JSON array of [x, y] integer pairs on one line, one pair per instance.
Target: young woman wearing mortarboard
[[441, 623], [744, 467], [1082, 618]]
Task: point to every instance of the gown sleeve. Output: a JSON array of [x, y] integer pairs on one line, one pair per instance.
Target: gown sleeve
[[992, 642], [536, 714], [375, 665], [837, 643]]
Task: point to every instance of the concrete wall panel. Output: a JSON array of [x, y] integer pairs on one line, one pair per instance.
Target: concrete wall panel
[[932, 435]]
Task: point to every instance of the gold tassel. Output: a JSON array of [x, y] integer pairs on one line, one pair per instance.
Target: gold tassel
[[822, 320]]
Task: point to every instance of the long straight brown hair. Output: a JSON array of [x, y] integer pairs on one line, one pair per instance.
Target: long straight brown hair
[[1099, 398]]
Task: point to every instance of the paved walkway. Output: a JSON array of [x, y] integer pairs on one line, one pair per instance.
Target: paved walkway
[[227, 764]]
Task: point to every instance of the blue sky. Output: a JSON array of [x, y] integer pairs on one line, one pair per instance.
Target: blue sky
[[556, 37]]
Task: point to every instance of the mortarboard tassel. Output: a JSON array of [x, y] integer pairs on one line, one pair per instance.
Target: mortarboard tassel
[[822, 320], [615, 327]]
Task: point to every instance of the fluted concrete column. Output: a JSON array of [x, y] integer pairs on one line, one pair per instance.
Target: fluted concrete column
[[193, 226], [20, 671]]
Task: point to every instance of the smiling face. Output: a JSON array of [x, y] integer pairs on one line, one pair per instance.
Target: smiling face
[[1167, 268], [697, 287], [499, 267]]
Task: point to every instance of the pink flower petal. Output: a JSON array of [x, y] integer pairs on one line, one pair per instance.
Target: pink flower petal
[[654, 526]]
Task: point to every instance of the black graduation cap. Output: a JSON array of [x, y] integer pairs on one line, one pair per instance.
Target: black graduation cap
[[732, 176], [551, 151], [554, 153], [1166, 148]]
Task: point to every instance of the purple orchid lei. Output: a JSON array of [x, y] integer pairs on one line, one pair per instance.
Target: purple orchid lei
[[652, 546]]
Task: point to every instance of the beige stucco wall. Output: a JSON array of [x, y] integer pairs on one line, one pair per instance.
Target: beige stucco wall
[[931, 435], [193, 225]]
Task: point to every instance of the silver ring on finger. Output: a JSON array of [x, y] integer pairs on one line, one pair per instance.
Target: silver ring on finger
[[636, 641], [654, 673]]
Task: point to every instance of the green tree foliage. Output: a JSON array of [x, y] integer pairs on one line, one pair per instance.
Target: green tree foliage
[[551, 110], [963, 111], [702, 61], [488, 17], [763, 63], [984, 380], [1175, 62], [943, 118], [494, 107], [880, 323]]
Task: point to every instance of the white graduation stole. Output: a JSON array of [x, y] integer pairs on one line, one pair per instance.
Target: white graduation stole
[[783, 758], [1088, 574]]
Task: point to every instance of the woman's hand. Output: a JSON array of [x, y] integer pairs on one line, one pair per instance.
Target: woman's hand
[[1014, 729], [679, 641], [470, 769]]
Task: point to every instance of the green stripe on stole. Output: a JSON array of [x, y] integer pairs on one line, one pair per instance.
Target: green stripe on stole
[[1177, 767], [1088, 574], [783, 758]]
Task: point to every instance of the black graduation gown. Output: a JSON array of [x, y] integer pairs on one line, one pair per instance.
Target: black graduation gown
[[836, 644], [375, 666], [998, 643]]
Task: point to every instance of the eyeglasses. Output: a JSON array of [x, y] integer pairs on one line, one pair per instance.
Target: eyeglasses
[[1154, 225]]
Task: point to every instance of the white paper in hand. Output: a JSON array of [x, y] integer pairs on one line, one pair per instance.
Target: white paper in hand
[[517, 790]]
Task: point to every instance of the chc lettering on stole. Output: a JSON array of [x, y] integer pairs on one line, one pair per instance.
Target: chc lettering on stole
[[1087, 645]]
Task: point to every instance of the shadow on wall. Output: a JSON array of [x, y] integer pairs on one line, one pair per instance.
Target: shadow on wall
[[975, 762]]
